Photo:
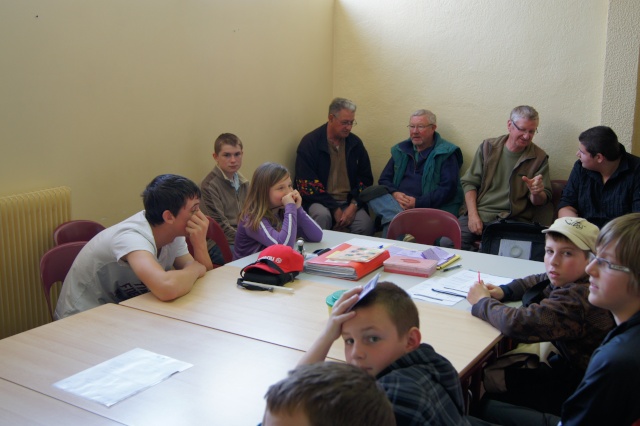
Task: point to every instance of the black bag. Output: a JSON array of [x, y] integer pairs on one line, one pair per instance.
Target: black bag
[[498, 375], [250, 273], [514, 239]]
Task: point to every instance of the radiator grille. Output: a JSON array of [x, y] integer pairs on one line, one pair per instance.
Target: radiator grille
[[27, 222]]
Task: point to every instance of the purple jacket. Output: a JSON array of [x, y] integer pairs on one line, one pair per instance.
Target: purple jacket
[[295, 223]]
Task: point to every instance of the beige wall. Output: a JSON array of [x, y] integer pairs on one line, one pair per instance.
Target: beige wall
[[103, 96], [472, 61]]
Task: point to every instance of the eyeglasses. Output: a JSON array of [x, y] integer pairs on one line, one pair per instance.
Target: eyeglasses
[[531, 132], [347, 122], [420, 127], [601, 262]]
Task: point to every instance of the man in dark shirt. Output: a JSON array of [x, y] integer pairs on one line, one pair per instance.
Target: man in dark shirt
[[605, 180], [332, 168]]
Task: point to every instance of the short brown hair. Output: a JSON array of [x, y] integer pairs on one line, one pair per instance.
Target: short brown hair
[[624, 233], [332, 394], [396, 302], [226, 139]]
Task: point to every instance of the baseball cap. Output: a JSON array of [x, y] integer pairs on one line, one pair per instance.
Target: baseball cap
[[579, 231], [284, 257]]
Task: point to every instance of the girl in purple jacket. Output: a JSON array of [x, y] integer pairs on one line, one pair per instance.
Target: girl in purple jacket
[[272, 213]]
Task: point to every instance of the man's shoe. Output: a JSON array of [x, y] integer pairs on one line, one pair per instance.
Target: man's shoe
[[372, 192]]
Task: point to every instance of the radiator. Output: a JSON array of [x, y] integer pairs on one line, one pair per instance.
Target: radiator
[[27, 222]]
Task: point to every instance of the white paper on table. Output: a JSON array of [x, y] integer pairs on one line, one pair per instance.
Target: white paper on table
[[123, 376], [361, 242], [462, 281], [399, 251], [424, 291]]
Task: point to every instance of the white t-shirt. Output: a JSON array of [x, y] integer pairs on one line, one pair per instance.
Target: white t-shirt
[[99, 276]]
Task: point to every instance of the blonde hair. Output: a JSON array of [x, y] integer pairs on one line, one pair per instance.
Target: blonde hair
[[257, 205]]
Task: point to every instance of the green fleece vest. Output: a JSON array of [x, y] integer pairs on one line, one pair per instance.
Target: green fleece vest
[[431, 171]]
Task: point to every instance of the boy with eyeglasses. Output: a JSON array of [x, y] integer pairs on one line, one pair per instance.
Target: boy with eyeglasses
[[609, 392], [224, 190]]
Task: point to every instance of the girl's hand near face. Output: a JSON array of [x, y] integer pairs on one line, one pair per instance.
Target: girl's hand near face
[[288, 199], [296, 197]]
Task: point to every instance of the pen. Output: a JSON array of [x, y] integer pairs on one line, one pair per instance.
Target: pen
[[451, 267], [447, 292], [269, 287]]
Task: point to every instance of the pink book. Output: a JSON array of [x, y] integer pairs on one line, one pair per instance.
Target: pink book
[[410, 266]]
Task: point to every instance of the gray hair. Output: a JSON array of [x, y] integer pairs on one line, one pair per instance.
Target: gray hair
[[524, 111], [430, 116], [338, 104]]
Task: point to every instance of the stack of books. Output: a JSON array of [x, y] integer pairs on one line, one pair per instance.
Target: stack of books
[[442, 257], [347, 262]]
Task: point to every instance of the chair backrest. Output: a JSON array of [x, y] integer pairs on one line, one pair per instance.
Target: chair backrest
[[55, 264], [215, 233], [557, 186], [426, 226], [76, 230]]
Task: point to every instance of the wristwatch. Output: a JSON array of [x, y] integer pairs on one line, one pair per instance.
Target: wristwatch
[[354, 202]]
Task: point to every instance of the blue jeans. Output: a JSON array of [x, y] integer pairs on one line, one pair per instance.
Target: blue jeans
[[387, 208]]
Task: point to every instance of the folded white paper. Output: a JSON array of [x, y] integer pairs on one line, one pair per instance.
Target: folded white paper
[[123, 376]]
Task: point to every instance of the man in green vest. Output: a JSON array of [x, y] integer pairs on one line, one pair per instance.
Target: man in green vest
[[424, 171]]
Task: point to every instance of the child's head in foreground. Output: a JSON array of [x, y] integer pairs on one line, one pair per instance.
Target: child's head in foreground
[[327, 393], [386, 327], [615, 272], [569, 245]]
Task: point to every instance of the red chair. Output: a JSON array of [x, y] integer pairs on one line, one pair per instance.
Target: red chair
[[76, 230], [54, 266], [557, 186], [215, 233], [426, 225]]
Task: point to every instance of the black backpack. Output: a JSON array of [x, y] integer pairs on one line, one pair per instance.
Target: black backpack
[[514, 239]]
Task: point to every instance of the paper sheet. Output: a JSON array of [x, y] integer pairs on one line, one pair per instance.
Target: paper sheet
[[123, 376], [399, 251], [361, 242], [453, 288]]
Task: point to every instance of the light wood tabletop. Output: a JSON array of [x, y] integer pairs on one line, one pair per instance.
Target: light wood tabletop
[[23, 406], [295, 320], [225, 386]]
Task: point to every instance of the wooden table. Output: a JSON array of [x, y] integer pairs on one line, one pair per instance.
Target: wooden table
[[295, 320], [21, 406], [485, 263], [225, 386]]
